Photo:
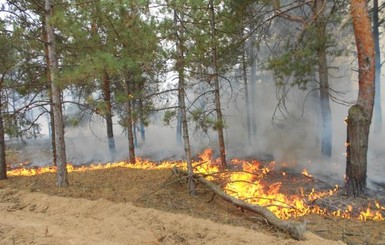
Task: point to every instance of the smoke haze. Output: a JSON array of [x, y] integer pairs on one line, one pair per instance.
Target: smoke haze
[[292, 139]]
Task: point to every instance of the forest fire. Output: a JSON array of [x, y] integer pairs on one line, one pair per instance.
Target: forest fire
[[247, 181], [306, 173]]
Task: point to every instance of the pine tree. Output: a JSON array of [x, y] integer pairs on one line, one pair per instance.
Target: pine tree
[[360, 115], [302, 62], [62, 179], [180, 67]]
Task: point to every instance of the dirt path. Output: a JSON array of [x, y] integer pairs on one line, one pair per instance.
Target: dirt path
[[35, 218]]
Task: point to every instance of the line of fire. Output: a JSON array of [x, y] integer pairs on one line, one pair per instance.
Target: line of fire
[[254, 182]]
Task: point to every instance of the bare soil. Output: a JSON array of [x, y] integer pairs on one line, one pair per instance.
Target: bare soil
[[129, 206]]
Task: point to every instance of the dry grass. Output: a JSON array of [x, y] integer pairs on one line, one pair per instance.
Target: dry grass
[[159, 190]]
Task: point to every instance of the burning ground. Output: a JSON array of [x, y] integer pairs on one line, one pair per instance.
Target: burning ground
[[297, 196]]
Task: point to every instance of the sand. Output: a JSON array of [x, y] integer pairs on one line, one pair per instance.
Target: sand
[[37, 218]]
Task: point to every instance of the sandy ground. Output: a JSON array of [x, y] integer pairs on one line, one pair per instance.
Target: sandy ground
[[135, 206], [36, 218]]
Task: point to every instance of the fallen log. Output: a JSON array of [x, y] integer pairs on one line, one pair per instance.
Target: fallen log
[[295, 229]]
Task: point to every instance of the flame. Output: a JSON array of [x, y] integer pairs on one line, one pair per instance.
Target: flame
[[142, 164], [244, 181], [306, 173]]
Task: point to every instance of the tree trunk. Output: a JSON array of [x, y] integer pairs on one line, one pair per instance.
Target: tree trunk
[[326, 132], [180, 64], [247, 100], [217, 98], [131, 145], [253, 84], [360, 115], [48, 75], [3, 164], [142, 122], [108, 114], [318, 8], [179, 124], [377, 99], [52, 125], [134, 131], [62, 179], [356, 150]]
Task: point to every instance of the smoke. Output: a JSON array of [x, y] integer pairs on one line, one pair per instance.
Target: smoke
[[292, 137]]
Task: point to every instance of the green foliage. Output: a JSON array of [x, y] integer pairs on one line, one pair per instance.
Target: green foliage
[[12, 129], [299, 63], [219, 125], [204, 121], [168, 116], [196, 114], [300, 60], [72, 121]]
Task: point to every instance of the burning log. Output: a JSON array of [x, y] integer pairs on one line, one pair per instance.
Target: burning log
[[295, 229]]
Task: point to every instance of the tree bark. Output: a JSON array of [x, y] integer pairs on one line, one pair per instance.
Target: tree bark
[[326, 132], [3, 164], [108, 114], [217, 98], [179, 125], [180, 65], [356, 150], [62, 180], [253, 84], [360, 115], [130, 133], [142, 121], [52, 125], [247, 100], [377, 98], [49, 92]]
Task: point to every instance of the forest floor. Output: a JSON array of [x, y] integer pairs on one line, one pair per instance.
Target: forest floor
[[131, 206], [137, 206]]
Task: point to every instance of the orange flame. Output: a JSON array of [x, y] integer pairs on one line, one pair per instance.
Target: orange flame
[[306, 173], [244, 181]]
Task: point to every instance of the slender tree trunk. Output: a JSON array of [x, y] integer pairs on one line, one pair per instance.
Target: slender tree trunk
[[49, 92], [108, 114], [217, 100], [377, 99], [52, 125], [360, 114], [141, 112], [318, 8], [62, 179], [142, 122], [247, 100], [326, 132], [134, 130], [179, 125], [315, 114], [130, 133], [253, 84], [180, 64], [3, 164]]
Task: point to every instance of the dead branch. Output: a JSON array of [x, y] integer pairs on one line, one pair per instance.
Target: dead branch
[[295, 229]]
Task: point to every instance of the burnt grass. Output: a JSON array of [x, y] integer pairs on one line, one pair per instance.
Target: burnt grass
[[160, 189]]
